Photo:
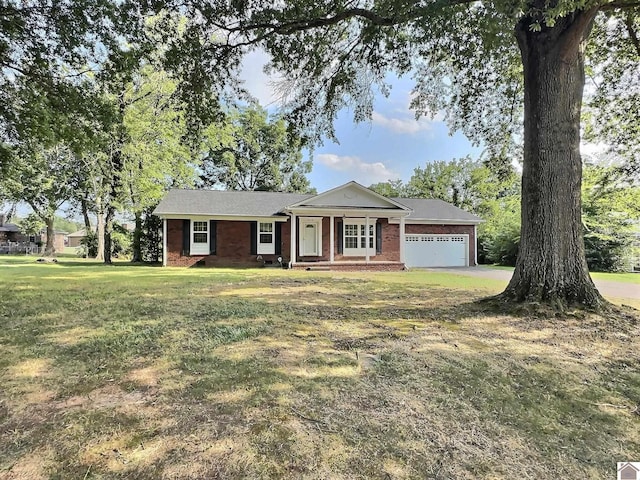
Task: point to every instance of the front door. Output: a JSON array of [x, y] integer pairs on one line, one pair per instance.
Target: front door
[[310, 240]]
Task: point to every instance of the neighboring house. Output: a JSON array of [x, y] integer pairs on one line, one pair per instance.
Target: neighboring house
[[12, 240], [74, 239], [347, 228], [59, 240], [10, 232]]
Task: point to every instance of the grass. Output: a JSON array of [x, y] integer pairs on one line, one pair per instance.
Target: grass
[[148, 373], [612, 277]]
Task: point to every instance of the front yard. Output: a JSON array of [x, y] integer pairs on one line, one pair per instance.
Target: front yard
[[148, 373]]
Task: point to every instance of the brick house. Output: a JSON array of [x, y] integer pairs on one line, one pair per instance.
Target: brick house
[[347, 228]]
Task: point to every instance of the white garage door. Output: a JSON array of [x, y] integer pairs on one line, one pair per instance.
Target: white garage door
[[436, 250]]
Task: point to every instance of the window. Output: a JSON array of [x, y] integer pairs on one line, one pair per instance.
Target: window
[[350, 236], [266, 232], [200, 230], [266, 243], [356, 237], [199, 237]]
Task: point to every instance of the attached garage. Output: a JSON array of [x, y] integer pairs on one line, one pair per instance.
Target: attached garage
[[424, 250]]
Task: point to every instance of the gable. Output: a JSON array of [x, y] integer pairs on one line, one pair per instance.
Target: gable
[[350, 195]]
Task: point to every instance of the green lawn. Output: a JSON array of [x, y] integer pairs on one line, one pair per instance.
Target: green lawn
[[612, 277], [150, 373]]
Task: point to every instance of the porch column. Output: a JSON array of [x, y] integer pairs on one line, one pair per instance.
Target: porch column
[[402, 239], [164, 242], [293, 238], [366, 236], [475, 248], [331, 239]]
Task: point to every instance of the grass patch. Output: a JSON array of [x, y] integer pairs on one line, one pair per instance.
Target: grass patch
[[149, 373], [625, 277]]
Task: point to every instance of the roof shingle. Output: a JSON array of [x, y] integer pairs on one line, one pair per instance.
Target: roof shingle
[[266, 204]]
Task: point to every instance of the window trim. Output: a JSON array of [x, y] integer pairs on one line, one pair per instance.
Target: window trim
[[199, 248], [266, 248], [359, 251]]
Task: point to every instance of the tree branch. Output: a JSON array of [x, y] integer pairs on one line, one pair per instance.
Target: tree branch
[[577, 31], [288, 28], [620, 4], [633, 35]]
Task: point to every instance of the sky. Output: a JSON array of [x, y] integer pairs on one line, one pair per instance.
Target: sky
[[388, 147]]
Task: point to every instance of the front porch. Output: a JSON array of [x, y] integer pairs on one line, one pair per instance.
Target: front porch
[[348, 266]]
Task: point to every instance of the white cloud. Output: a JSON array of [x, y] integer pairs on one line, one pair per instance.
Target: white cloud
[[407, 125], [357, 169]]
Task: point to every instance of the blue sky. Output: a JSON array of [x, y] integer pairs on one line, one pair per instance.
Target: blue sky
[[388, 147]]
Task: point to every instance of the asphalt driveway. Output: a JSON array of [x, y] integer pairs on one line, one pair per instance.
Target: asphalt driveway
[[606, 287]]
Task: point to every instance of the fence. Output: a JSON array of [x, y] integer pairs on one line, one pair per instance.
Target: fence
[[26, 248]]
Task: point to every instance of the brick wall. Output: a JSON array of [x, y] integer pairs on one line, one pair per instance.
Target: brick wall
[[233, 246], [390, 244], [234, 243], [415, 229]]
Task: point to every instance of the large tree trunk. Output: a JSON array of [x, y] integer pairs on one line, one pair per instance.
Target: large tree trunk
[[551, 268], [117, 164], [99, 230], [50, 248], [108, 230], [137, 239], [85, 215]]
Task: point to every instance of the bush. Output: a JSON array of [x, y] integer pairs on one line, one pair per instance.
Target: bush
[[607, 253], [88, 246], [501, 247]]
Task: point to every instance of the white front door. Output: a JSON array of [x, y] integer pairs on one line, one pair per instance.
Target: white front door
[[310, 239]]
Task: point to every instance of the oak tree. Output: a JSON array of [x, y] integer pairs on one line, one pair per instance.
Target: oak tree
[[251, 151]]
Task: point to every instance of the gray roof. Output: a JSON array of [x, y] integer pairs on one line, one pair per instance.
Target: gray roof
[[218, 202], [265, 204], [435, 209], [9, 227]]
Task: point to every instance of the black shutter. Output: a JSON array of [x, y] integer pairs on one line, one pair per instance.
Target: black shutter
[[254, 238], [339, 237], [278, 238], [378, 238], [186, 237], [212, 236]]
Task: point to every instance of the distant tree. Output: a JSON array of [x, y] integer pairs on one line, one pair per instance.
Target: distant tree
[[611, 211], [466, 183], [390, 188], [155, 157], [613, 57], [41, 177], [32, 224], [65, 224], [254, 152], [49, 53]]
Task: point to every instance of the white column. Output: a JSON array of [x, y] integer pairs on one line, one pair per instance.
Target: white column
[[475, 241], [366, 235], [402, 239], [293, 238], [332, 240], [164, 242]]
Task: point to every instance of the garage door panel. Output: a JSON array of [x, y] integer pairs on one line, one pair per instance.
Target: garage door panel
[[436, 250]]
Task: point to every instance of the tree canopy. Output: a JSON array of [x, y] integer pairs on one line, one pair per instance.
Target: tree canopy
[[251, 151], [504, 73]]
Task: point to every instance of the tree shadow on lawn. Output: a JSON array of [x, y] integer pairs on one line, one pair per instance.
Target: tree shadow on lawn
[[387, 384]]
